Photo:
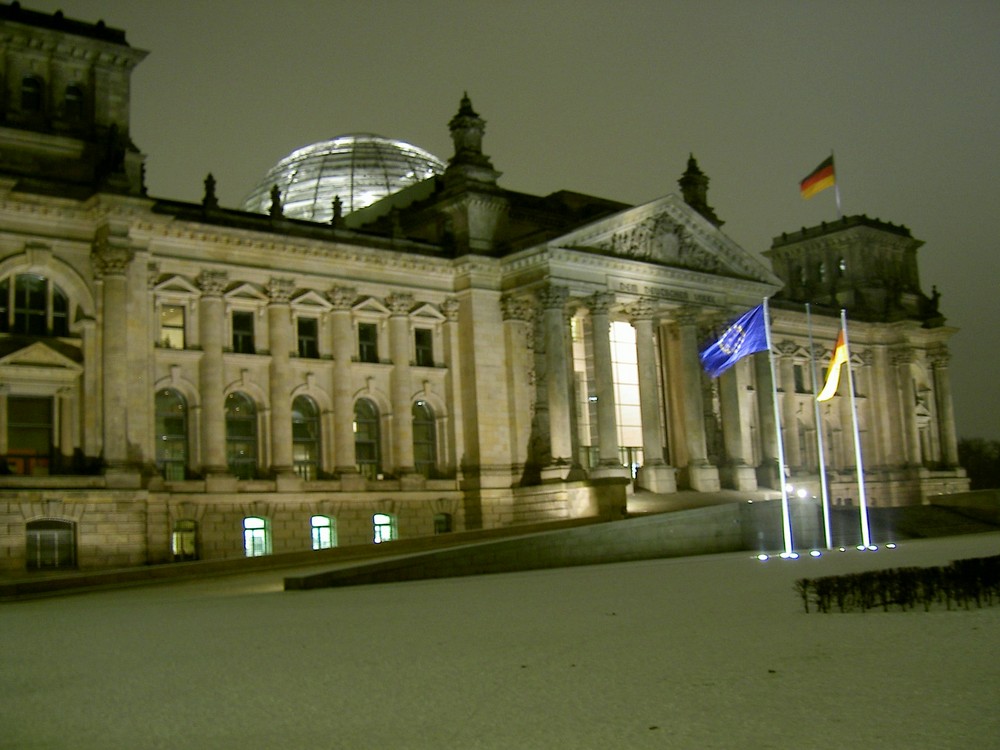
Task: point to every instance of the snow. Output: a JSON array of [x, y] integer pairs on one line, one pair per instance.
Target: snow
[[699, 652]]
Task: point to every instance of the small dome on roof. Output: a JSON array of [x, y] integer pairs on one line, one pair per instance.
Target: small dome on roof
[[360, 168]]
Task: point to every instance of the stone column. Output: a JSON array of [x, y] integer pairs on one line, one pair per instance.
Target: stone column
[[212, 324], [401, 381], [702, 476], [609, 456], [341, 299], [557, 385], [767, 472], [789, 419], [939, 358], [280, 342], [655, 474], [111, 257], [453, 381], [738, 473], [518, 315], [903, 359]]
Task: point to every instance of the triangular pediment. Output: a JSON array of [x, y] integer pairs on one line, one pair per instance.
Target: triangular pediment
[[176, 285], [668, 232], [311, 301], [39, 354], [371, 306], [427, 313], [247, 293]]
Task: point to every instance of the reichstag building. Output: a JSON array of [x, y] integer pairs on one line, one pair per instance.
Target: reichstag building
[[381, 343]]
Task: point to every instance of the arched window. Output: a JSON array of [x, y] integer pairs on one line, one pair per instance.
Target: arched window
[[33, 306], [424, 439], [305, 437], [184, 540], [384, 527], [73, 103], [31, 94], [256, 536], [50, 544], [241, 436], [366, 438], [171, 434], [324, 532]]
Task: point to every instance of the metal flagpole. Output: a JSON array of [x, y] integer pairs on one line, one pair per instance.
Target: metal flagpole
[[786, 523], [824, 492], [866, 539], [836, 185]]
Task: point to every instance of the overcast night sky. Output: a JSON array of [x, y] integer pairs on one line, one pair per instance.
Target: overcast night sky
[[608, 98]]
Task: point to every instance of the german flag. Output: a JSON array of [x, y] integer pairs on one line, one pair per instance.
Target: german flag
[[819, 179]]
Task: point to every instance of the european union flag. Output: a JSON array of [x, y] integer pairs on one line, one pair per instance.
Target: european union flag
[[745, 335]]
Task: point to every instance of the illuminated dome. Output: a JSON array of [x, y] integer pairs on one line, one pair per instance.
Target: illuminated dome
[[360, 168]]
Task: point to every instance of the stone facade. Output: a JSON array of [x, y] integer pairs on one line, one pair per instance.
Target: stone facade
[[183, 381]]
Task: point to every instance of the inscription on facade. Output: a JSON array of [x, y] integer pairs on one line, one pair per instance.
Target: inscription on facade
[[657, 291]]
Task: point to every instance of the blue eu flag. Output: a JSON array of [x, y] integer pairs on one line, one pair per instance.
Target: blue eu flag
[[745, 335]]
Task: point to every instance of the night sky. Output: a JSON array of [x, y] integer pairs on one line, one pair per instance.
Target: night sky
[[609, 98]]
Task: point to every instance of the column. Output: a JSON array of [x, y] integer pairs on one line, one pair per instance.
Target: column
[[738, 473], [604, 386], [280, 343], [902, 359], [939, 358], [767, 472], [557, 385], [401, 381], [341, 298], [111, 257], [453, 382], [518, 317], [211, 326], [701, 475], [654, 474], [789, 418]]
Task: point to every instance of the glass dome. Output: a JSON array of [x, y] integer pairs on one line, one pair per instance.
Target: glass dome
[[361, 168]]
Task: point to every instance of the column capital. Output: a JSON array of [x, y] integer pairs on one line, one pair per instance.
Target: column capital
[[903, 356], [280, 291], [939, 357], [450, 309], [341, 297], [600, 303], [399, 303], [687, 316], [212, 283], [786, 348], [642, 309], [553, 297], [111, 258], [516, 308]]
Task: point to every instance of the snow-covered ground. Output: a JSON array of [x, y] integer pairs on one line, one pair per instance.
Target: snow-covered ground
[[700, 652]]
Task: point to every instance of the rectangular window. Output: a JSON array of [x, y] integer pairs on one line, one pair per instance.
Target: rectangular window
[[423, 339], [243, 332], [29, 434], [367, 342], [172, 326], [800, 379], [308, 337]]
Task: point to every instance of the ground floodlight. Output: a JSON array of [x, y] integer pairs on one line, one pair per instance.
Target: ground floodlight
[[815, 553]]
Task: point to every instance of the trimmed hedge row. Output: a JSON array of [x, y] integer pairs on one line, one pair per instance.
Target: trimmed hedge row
[[962, 583]]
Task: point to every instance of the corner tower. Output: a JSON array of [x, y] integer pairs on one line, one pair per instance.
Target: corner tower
[[64, 106]]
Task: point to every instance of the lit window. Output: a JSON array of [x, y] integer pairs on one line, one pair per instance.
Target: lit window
[[172, 326], [256, 536], [305, 437], [184, 540], [424, 439], [241, 436], [385, 527], [423, 339], [171, 434], [367, 342], [366, 438], [243, 332], [442, 523], [324, 532], [308, 337]]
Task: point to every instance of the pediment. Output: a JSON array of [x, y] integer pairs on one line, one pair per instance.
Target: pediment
[[427, 313], [311, 301], [39, 355], [371, 306], [668, 232], [246, 293], [176, 285]]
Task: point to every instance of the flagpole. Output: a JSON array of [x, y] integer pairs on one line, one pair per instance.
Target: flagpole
[[836, 186], [824, 492], [866, 539], [786, 524]]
